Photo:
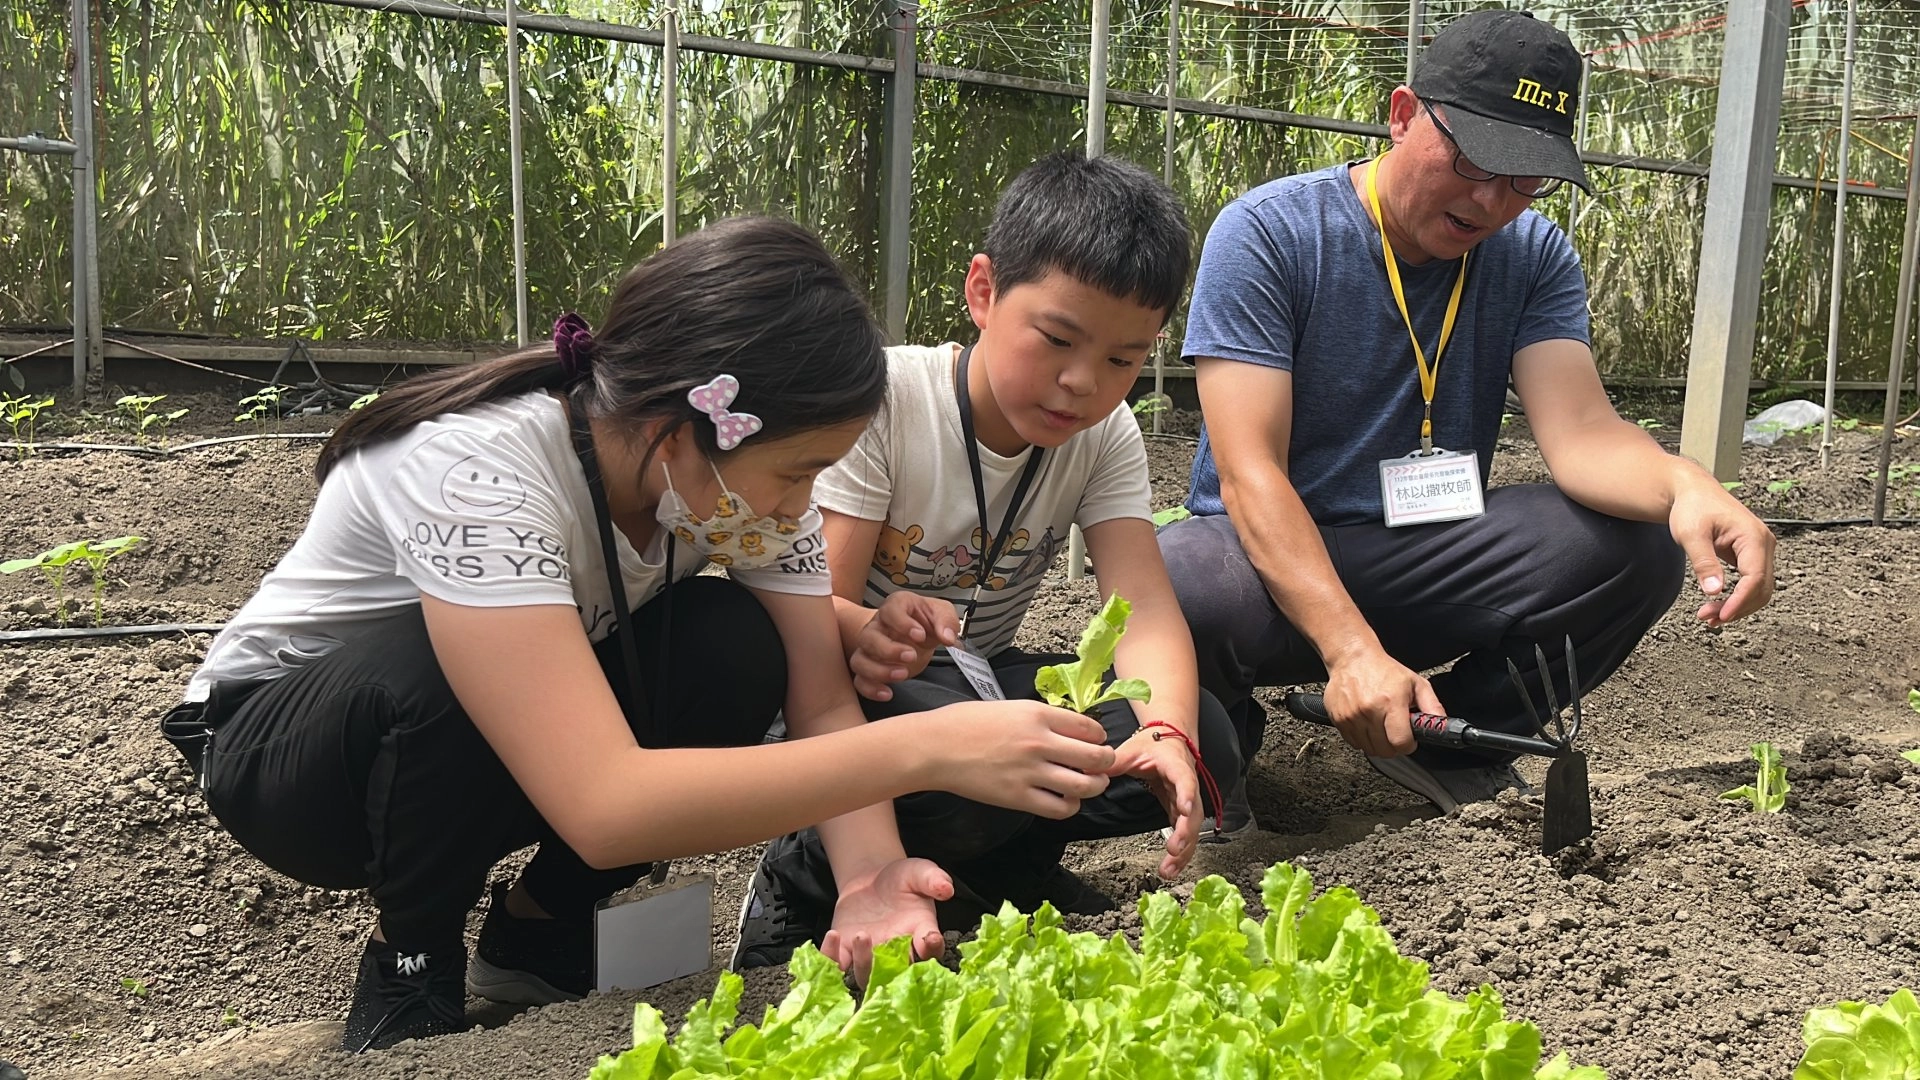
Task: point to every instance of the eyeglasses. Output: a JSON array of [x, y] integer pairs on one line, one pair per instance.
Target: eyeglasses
[[1533, 187]]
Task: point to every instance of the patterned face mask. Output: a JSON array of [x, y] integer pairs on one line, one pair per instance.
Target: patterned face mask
[[733, 536]]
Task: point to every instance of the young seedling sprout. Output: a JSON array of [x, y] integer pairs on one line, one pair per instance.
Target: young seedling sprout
[[55, 561], [23, 412], [257, 406], [141, 416], [1768, 792], [1076, 685]]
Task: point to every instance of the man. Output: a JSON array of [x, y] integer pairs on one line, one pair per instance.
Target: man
[[1354, 331]]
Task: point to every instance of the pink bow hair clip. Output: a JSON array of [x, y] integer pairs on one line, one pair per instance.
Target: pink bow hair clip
[[730, 428]]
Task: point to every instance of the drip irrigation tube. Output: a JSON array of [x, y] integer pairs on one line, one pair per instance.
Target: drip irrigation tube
[[68, 633], [58, 633], [163, 451]]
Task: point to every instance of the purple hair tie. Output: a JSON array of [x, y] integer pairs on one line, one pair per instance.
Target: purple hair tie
[[574, 344]]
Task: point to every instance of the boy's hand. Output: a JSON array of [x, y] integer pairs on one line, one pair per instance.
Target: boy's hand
[[899, 640], [1167, 770]]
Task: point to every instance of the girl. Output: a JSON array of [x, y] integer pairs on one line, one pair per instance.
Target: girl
[[478, 643]]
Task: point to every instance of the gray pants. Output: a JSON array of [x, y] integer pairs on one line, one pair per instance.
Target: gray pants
[[1536, 568]]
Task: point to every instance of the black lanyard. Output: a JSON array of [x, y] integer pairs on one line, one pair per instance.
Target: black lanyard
[[636, 703], [995, 547]]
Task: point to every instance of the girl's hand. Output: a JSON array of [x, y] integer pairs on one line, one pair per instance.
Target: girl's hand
[[899, 640], [896, 902], [1168, 771], [1023, 755]]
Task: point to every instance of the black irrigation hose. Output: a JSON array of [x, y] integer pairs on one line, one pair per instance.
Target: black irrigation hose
[[164, 451], [1831, 523], [55, 633]]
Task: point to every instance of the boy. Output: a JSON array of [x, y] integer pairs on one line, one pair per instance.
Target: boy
[[953, 505]]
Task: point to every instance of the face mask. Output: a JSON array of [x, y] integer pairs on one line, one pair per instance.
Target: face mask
[[733, 537]]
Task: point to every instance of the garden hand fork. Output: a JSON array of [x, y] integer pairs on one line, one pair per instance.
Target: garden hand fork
[[1568, 818]]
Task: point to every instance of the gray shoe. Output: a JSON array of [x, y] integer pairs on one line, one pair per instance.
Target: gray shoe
[[1449, 788], [1239, 820]]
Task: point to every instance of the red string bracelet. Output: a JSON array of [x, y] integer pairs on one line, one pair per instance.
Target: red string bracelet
[[1206, 777]]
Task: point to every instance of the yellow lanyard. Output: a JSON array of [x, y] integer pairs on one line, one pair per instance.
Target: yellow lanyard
[[1428, 375]]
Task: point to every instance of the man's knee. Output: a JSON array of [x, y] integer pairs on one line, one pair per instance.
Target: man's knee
[[1591, 549], [1221, 596]]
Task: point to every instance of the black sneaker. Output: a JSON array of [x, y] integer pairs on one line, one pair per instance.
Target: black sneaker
[[401, 996], [1448, 789], [792, 890], [530, 961]]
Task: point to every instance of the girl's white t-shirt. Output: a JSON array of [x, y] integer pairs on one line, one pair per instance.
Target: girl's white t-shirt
[[487, 508]]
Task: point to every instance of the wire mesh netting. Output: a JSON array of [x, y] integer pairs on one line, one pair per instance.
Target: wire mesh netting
[[272, 169]]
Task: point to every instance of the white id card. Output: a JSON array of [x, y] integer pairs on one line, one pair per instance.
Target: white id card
[[1441, 486], [978, 672]]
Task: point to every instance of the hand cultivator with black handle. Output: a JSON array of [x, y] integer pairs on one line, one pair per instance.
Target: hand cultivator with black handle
[[1569, 802]]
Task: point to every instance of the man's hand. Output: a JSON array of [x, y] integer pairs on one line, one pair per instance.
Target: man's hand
[[1371, 697], [1165, 766], [899, 640], [1711, 525], [896, 902]]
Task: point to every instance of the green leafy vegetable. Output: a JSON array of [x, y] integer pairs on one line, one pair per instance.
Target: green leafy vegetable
[[1170, 515], [1077, 685], [55, 561], [1858, 1041], [1768, 792], [1317, 990], [1911, 755], [1913, 700]]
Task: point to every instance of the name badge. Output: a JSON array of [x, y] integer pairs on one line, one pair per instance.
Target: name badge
[[1421, 489], [978, 672]]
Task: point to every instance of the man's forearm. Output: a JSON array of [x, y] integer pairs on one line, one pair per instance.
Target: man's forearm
[[1613, 467], [1284, 545]]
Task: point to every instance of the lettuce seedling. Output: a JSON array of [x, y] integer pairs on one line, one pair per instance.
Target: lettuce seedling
[[363, 401], [258, 406], [1768, 792], [1855, 1040], [1170, 515], [55, 561], [1076, 685], [141, 417], [23, 412]]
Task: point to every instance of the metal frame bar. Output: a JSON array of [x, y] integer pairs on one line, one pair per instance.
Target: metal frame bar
[[670, 126], [89, 351], [1839, 231], [896, 241], [517, 169], [1902, 313]]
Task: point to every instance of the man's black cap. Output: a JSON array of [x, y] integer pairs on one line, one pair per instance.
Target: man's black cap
[[1511, 84]]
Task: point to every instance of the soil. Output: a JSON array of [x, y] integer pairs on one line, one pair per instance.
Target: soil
[[1686, 939]]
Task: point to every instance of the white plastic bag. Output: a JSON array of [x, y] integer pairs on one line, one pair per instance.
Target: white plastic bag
[[1777, 420]]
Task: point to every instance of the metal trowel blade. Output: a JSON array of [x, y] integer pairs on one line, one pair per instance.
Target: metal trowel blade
[[1569, 803]]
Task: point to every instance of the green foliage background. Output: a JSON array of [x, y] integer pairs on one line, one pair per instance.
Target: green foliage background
[[275, 168]]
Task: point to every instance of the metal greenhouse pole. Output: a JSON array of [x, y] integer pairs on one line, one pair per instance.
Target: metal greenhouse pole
[[1416, 27], [1733, 243], [1902, 311], [1166, 177], [1096, 145], [896, 226], [517, 170], [89, 351], [1839, 232], [670, 128]]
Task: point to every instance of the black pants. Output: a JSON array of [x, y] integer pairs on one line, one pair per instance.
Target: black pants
[[994, 853], [1536, 568], [361, 770]]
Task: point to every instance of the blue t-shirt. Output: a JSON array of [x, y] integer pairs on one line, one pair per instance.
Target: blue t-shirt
[[1292, 277]]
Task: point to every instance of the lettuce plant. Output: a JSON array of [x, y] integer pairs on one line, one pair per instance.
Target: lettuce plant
[[1855, 1040], [1768, 792], [1076, 685], [258, 406], [1316, 990]]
